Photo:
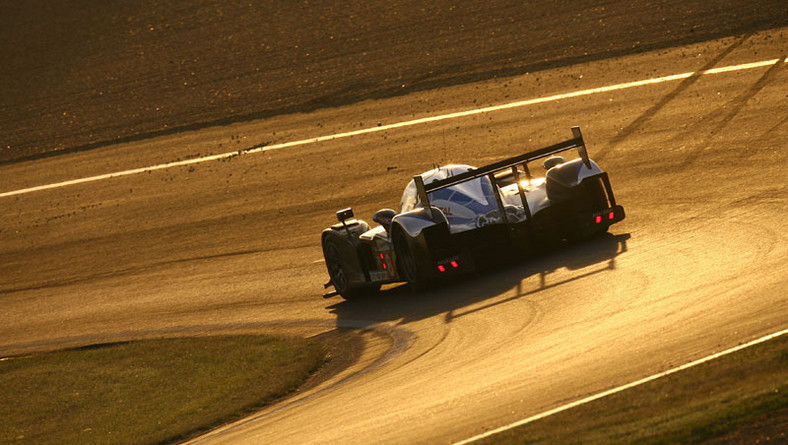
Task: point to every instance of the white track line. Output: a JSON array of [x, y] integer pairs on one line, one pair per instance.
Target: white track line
[[409, 123], [619, 389]]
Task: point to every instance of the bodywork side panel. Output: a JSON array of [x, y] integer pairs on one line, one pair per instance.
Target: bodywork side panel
[[415, 221]]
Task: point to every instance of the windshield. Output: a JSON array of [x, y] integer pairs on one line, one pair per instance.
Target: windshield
[[461, 203], [410, 197]]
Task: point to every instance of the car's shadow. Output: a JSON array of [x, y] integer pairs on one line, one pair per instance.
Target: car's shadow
[[401, 304]]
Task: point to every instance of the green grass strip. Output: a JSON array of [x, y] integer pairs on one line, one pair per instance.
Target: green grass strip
[[147, 392], [739, 398]]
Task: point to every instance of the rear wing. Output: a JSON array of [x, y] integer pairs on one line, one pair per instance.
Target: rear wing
[[489, 170]]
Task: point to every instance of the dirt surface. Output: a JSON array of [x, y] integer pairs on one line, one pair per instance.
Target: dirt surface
[[78, 75]]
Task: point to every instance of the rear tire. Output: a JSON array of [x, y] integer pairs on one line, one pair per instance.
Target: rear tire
[[411, 262]]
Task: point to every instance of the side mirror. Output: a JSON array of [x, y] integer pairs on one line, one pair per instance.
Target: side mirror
[[384, 217], [345, 214]]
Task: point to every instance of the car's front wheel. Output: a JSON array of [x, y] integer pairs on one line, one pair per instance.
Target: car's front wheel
[[338, 271]]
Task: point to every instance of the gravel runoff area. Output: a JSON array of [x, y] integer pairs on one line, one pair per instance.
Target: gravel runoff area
[[78, 74]]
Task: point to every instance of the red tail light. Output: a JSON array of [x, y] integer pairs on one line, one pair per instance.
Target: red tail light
[[454, 264], [611, 215], [598, 219], [441, 268]]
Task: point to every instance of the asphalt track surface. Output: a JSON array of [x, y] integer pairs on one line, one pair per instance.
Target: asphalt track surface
[[231, 245]]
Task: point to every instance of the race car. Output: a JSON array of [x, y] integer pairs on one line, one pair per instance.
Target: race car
[[454, 218]]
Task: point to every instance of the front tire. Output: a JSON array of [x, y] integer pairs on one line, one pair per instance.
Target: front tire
[[338, 271]]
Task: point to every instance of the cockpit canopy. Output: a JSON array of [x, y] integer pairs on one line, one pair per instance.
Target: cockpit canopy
[[473, 189], [461, 203]]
